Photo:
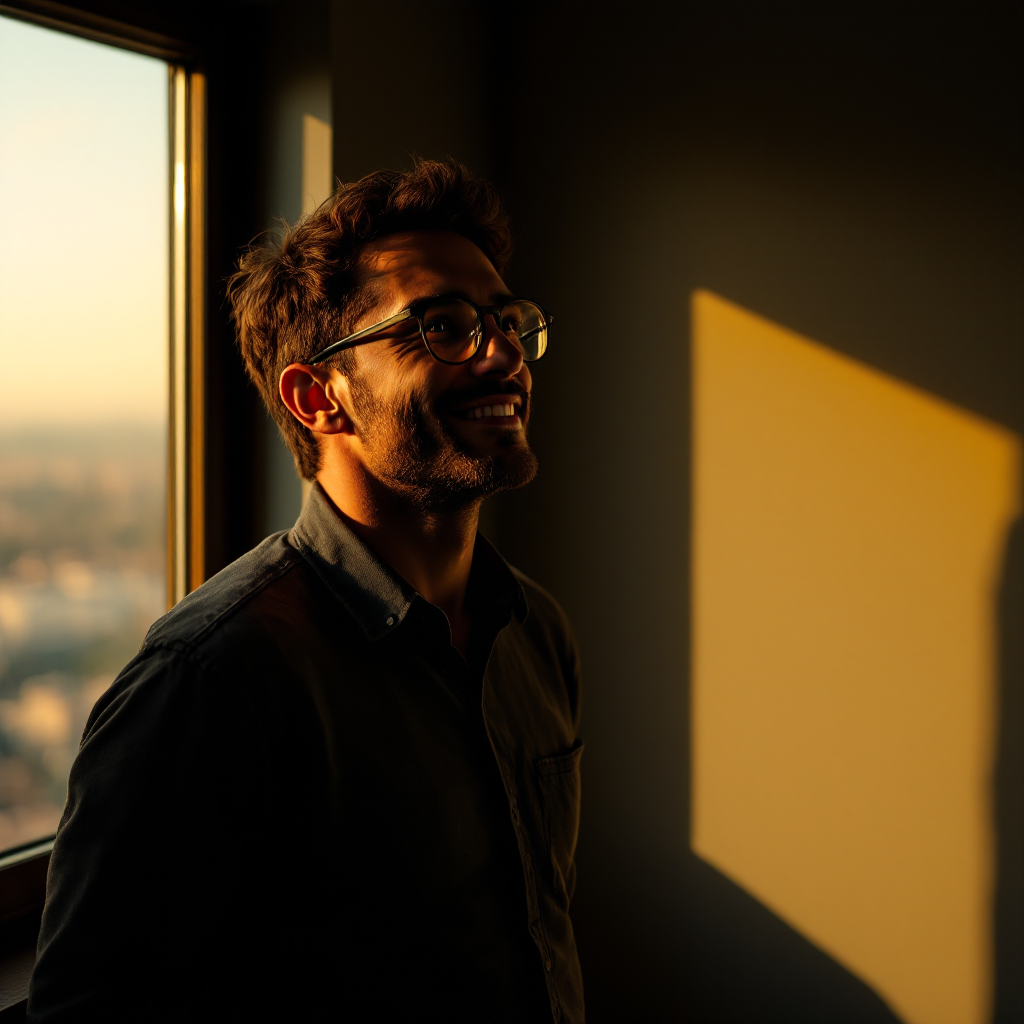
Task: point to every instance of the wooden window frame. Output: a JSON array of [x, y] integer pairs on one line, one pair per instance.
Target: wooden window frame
[[186, 554]]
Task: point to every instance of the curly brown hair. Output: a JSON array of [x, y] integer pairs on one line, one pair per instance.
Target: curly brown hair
[[292, 296]]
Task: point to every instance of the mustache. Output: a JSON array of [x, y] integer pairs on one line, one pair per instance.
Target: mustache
[[484, 389]]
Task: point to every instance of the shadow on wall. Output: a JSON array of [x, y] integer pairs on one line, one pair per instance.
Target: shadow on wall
[[849, 533], [706, 952]]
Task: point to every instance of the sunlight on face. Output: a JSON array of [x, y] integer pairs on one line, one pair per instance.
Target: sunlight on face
[[409, 408]]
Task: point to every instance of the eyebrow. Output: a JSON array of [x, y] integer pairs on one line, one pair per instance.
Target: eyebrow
[[497, 298]]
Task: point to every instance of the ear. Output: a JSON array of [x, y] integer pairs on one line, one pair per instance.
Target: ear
[[317, 398]]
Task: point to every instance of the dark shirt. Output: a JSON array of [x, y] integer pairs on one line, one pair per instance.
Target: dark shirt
[[299, 803]]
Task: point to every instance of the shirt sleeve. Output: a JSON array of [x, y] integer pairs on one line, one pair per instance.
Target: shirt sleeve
[[161, 773]]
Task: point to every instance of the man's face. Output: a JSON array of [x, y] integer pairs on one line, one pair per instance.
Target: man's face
[[436, 433]]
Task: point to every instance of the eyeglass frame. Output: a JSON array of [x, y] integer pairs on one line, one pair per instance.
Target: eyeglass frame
[[362, 336]]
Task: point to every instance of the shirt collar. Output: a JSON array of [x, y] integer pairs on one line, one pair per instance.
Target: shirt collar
[[372, 592], [493, 576]]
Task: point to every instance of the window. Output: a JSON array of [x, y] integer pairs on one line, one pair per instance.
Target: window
[[98, 335]]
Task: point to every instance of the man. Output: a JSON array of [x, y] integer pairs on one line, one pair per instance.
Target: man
[[340, 781]]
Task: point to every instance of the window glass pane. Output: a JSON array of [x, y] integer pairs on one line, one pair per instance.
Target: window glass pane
[[84, 211]]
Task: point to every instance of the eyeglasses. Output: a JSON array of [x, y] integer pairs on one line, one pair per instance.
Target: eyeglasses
[[452, 328]]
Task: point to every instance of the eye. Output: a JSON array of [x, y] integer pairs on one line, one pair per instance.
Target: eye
[[439, 325], [512, 322]]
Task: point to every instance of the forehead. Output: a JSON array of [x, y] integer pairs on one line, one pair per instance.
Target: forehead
[[418, 263]]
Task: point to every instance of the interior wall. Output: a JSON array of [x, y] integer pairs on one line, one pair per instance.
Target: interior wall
[[848, 170], [231, 43], [298, 77]]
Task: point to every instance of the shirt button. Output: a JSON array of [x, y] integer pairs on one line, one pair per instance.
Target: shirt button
[[390, 621]]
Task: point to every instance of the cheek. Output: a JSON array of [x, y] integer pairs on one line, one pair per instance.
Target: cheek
[[387, 376], [438, 380], [395, 377], [411, 382]]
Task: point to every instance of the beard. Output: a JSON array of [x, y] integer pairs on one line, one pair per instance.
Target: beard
[[410, 449]]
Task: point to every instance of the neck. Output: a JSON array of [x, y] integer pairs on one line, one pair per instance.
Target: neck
[[431, 550]]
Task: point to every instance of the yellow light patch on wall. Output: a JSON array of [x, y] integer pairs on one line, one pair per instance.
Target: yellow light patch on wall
[[317, 162], [848, 537]]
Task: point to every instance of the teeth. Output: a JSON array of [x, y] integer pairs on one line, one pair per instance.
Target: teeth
[[480, 411]]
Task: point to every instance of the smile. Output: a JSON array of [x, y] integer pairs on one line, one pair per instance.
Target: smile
[[492, 410], [500, 410]]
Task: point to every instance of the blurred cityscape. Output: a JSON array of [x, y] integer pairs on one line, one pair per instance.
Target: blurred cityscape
[[82, 577]]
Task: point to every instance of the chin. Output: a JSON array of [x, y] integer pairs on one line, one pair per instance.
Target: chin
[[514, 468], [458, 482]]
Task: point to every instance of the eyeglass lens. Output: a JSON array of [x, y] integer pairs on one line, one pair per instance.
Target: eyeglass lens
[[453, 332]]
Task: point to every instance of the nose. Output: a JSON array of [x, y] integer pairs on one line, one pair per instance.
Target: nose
[[498, 353]]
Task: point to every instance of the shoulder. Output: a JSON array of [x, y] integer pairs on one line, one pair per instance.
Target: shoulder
[[190, 626], [217, 643], [214, 666]]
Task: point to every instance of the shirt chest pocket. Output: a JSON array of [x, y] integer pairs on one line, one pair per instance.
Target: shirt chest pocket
[[559, 780]]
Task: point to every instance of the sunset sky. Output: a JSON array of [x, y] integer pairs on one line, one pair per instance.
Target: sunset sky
[[83, 231]]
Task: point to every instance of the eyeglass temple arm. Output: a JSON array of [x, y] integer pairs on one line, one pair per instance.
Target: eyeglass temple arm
[[354, 339]]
